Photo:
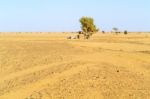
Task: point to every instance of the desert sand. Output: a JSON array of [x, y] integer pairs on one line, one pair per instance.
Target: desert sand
[[49, 66]]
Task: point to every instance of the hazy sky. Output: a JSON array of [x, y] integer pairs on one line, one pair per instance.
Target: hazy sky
[[64, 15]]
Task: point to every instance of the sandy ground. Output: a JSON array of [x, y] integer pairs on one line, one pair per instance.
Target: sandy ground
[[48, 66]]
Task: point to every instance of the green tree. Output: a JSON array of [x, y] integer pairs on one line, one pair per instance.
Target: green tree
[[88, 27], [115, 29]]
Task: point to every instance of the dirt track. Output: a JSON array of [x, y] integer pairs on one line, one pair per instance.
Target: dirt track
[[48, 66]]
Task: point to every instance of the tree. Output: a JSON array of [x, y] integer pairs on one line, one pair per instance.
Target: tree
[[103, 32], [115, 29], [125, 32], [88, 27]]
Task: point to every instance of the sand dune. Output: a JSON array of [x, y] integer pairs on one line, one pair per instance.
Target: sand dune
[[48, 66]]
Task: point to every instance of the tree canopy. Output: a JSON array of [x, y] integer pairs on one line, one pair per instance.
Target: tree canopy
[[115, 29], [88, 24]]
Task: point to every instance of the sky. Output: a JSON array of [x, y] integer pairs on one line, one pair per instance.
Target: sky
[[64, 15]]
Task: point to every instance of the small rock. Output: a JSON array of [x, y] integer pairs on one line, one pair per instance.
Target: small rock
[[118, 71]]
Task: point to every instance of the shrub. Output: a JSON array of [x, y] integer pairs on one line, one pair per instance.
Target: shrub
[[125, 32], [103, 32]]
